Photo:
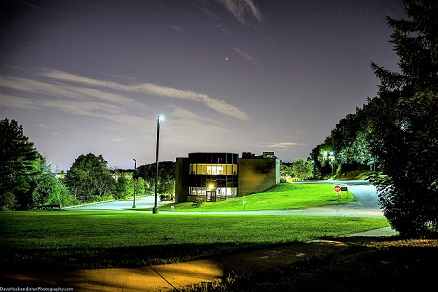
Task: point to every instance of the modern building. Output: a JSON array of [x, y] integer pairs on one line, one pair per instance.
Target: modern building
[[218, 176]]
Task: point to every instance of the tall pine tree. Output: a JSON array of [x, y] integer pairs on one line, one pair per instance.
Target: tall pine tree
[[405, 123], [19, 167]]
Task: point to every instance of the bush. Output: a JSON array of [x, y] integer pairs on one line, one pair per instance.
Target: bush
[[7, 202], [165, 197], [197, 201]]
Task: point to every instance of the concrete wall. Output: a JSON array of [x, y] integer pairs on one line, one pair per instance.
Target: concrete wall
[[181, 179], [257, 174]]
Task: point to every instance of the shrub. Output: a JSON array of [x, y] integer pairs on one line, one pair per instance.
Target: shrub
[[197, 201]]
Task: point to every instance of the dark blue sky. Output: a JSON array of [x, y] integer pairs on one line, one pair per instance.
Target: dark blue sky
[[230, 76]]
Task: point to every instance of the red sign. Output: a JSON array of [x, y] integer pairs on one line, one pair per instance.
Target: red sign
[[337, 189]]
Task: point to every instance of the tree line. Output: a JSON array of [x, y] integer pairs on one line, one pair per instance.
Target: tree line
[[348, 147], [27, 179], [298, 170], [395, 134]]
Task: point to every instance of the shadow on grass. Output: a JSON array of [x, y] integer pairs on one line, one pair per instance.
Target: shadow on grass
[[76, 258], [390, 266], [367, 264]]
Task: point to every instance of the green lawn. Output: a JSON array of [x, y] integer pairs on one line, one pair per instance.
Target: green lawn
[[388, 265], [284, 196], [91, 239]]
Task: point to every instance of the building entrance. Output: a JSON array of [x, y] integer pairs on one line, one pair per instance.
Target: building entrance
[[211, 196]]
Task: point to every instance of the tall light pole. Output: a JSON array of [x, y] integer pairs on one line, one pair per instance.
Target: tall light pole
[[135, 169], [155, 208]]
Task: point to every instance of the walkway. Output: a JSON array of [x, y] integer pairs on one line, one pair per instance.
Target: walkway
[[178, 275]]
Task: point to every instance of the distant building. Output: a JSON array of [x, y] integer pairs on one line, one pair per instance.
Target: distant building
[[218, 176]]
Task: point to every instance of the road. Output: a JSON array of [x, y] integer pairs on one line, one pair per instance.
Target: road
[[365, 204], [140, 202]]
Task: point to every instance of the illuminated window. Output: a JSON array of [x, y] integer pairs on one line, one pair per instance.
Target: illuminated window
[[220, 192], [213, 169]]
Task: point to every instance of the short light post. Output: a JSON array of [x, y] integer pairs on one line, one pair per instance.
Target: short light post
[[133, 177], [155, 208]]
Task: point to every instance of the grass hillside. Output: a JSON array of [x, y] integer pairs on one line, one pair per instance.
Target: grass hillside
[[38, 240], [284, 196]]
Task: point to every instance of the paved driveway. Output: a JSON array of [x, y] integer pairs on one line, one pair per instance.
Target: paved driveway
[[365, 204], [140, 202]]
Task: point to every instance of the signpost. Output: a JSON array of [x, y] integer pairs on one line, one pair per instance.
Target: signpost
[[338, 189], [338, 192], [344, 189]]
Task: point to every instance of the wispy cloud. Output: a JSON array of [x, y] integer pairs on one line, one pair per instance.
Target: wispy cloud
[[242, 10], [84, 96], [84, 108], [11, 101], [245, 55], [189, 124], [34, 86], [66, 91], [220, 106], [77, 107], [175, 28], [32, 5], [185, 114], [282, 145]]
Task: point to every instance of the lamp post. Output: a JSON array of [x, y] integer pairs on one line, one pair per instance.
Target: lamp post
[[155, 208], [135, 169], [331, 160]]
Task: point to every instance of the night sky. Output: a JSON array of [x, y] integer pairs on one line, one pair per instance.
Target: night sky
[[228, 75]]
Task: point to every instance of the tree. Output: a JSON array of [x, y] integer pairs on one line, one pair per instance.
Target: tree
[[302, 169], [317, 167], [19, 166], [89, 178], [285, 172], [166, 177], [347, 147], [50, 190], [404, 135], [125, 184], [323, 158]]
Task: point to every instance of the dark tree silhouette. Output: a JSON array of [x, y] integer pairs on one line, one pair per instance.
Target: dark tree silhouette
[[404, 123], [19, 167]]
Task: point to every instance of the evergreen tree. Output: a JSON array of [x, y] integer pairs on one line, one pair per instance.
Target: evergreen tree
[[19, 167], [404, 115]]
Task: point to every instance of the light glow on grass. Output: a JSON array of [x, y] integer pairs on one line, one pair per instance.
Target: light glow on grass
[[284, 196]]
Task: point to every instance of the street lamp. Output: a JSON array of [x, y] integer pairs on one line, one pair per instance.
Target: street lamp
[[133, 177], [155, 208], [331, 160]]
